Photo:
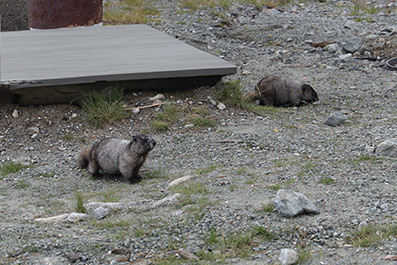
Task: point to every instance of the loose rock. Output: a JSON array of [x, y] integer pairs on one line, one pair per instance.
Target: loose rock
[[290, 203], [100, 213], [335, 119], [288, 256], [388, 148]]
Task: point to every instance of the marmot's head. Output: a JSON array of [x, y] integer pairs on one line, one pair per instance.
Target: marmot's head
[[142, 143], [309, 95]]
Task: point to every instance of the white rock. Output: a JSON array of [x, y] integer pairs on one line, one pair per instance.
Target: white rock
[[15, 113], [288, 256], [136, 110], [77, 217], [221, 106], [157, 97], [348, 57]]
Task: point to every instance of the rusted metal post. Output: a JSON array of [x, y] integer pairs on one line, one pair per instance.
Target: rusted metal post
[[51, 14]]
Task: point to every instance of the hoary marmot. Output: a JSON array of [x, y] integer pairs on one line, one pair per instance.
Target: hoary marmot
[[282, 91], [117, 156]]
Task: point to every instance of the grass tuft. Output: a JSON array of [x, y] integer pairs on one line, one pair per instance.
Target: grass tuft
[[11, 167], [104, 107], [79, 206], [231, 93], [370, 235], [128, 12]]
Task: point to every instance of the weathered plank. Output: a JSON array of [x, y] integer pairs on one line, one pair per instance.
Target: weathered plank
[[61, 58]]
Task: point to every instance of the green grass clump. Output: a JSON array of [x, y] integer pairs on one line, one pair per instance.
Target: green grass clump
[[371, 235], [327, 181], [269, 208], [202, 122], [79, 205], [22, 184], [202, 171], [263, 232], [11, 167], [231, 93], [169, 115], [104, 107]]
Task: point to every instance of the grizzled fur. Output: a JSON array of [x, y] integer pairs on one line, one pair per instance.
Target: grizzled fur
[[117, 156], [282, 91]]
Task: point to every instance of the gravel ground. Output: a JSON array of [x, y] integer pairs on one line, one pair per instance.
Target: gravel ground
[[236, 167]]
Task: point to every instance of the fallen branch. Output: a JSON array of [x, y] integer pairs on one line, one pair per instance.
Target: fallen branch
[[147, 106]]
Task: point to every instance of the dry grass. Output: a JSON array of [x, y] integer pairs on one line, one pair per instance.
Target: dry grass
[[140, 11], [129, 12]]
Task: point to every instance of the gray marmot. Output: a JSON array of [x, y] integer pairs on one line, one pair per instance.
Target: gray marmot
[[282, 91], [117, 156]]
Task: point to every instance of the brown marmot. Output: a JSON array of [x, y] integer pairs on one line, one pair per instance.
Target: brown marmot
[[117, 156], [282, 91]]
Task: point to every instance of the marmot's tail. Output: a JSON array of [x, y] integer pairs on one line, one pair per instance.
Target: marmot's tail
[[84, 157]]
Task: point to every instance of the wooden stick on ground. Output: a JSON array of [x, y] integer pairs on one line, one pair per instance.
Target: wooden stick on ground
[[147, 106]]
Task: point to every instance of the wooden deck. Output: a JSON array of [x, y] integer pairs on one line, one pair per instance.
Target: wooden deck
[[54, 66]]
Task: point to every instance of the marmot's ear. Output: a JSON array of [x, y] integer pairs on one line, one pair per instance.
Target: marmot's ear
[[134, 138]]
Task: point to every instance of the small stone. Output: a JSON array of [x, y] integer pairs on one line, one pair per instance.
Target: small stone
[[332, 48], [34, 136], [345, 58], [72, 257], [335, 119], [367, 54], [351, 44], [33, 129], [15, 113], [157, 97], [136, 110], [212, 102], [221, 106], [387, 148], [190, 125], [76, 217], [100, 213], [187, 255], [288, 256], [74, 115]]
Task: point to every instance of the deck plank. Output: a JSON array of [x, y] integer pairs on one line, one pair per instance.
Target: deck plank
[[68, 56]]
